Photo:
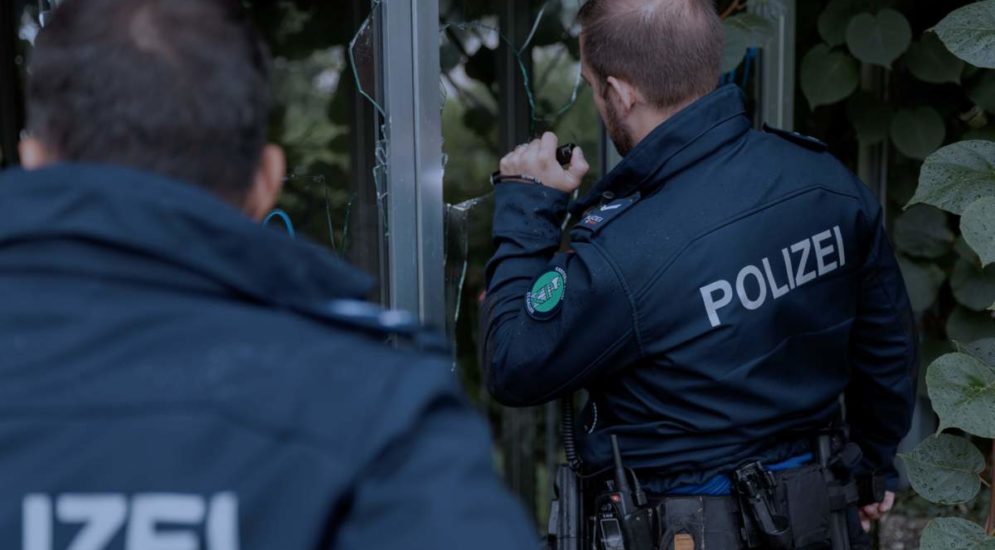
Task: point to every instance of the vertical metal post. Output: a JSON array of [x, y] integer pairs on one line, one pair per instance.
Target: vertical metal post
[[518, 426], [11, 98], [413, 127], [776, 94]]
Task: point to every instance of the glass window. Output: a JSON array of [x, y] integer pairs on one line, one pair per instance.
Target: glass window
[[510, 71]]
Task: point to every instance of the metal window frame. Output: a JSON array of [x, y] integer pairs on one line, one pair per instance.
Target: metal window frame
[[412, 103], [776, 82]]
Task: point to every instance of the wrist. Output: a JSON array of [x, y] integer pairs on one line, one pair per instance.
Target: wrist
[[498, 178]]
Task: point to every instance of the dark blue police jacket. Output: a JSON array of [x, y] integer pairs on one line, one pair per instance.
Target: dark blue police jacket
[[174, 374], [722, 289]]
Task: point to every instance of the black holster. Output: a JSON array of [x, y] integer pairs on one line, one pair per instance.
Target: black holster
[[566, 511]]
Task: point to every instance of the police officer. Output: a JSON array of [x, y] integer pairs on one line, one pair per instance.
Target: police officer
[[174, 375], [723, 286]]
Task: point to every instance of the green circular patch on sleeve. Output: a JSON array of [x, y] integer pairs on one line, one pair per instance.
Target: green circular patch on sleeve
[[546, 296]]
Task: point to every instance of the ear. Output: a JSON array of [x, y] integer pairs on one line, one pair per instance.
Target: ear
[[267, 184], [625, 92], [34, 154]]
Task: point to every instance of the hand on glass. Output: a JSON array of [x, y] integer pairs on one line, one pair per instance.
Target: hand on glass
[[876, 511], [538, 160]]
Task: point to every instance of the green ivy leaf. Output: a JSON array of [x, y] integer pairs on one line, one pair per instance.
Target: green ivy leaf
[[944, 469], [965, 251], [834, 19], [930, 349], [964, 325], [870, 116], [923, 282], [957, 175], [977, 224], [974, 288], [879, 39], [955, 534], [962, 391], [922, 232], [827, 76], [930, 61], [757, 29], [918, 132], [743, 31], [982, 350], [982, 93], [969, 33]]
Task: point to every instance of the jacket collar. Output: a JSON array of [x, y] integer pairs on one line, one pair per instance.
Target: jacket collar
[[173, 222], [683, 139]]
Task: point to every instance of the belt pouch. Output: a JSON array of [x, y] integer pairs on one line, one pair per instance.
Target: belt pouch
[[802, 492]]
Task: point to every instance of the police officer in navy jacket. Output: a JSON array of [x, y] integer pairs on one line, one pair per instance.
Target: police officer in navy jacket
[[175, 375], [723, 286]]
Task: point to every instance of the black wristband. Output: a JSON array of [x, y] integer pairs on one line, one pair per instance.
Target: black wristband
[[497, 178]]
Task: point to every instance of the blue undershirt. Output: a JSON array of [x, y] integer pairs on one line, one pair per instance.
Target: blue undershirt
[[721, 484]]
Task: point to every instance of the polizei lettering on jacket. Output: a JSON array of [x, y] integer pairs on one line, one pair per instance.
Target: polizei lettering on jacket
[[143, 521], [798, 265]]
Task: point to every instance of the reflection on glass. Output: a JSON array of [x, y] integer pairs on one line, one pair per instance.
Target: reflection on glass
[[324, 124], [491, 105], [319, 118]]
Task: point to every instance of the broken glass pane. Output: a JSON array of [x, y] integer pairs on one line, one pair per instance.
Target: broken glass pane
[[510, 71], [324, 124], [546, 59]]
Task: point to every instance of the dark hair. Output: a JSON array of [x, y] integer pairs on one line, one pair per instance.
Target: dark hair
[[670, 50], [176, 87]]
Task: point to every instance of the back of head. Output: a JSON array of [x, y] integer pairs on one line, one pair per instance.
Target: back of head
[[176, 87], [670, 50]]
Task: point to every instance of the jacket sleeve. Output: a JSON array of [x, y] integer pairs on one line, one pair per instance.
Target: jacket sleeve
[[531, 359], [880, 397], [433, 485]]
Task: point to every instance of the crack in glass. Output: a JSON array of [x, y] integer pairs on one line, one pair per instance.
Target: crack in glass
[[551, 82]]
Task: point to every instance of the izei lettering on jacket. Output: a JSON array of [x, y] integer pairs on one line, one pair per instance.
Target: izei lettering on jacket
[[798, 264], [141, 521]]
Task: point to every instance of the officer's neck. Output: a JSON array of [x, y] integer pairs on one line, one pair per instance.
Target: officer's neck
[[645, 118]]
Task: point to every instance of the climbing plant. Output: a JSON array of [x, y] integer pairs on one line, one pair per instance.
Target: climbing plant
[[903, 90], [959, 179]]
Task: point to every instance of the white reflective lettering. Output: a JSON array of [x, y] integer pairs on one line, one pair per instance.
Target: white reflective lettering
[[222, 523], [36, 523], [797, 269], [821, 253], [775, 291], [749, 271], [147, 511], [712, 305], [101, 515], [787, 268], [802, 277]]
